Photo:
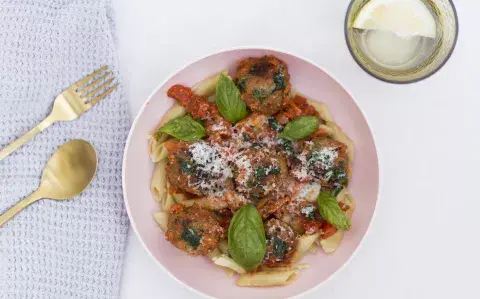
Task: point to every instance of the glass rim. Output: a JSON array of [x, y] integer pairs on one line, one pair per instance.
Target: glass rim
[[433, 72]]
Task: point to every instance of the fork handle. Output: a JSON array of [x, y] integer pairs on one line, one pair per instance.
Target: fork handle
[[25, 138], [19, 206]]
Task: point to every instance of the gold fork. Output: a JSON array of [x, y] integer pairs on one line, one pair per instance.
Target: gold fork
[[70, 104]]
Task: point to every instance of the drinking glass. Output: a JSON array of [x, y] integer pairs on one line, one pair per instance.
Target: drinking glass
[[427, 57]]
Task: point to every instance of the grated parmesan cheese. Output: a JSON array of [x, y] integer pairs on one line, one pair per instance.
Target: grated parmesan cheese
[[325, 157], [245, 169], [274, 229], [218, 127], [308, 210], [268, 141], [309, 192], [302, 172], [210, 159]]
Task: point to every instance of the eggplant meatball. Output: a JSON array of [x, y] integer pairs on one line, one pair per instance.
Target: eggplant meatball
[[259, 171], [280, 243], [324, 160], [302, 216], [264, 83], [255, 131], [193, 229], [198, 168]]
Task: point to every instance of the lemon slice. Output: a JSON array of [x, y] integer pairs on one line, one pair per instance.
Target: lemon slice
[[405, 18]]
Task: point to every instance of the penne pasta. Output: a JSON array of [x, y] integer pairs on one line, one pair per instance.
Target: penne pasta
[[168, 201], [351, 202], [304, 243], [302, 266], [157, 150], [155, 140], [227, 262], [162, 220], [214, 254], [294, 267], [342, 195], [158, 186], [179, 197], [313, 249], [206, 88], [268, 278], [330, 244], [229, 272], [327, 129], [223, 246], [322, 110], [174, 112]]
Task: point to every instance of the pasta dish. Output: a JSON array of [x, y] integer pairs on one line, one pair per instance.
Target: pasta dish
[[251, 174]]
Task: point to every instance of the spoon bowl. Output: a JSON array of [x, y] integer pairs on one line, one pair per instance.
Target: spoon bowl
[[68, 172]]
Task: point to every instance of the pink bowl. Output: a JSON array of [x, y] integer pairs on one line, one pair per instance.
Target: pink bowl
[[197, 272]]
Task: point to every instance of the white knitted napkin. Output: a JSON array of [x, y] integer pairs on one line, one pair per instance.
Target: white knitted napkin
[[74, 248]]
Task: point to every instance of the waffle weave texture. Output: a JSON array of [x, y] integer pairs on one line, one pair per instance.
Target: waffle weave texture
[[74, 248]]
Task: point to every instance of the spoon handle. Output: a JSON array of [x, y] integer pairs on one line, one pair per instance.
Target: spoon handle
[[25, 138], [18, 207]]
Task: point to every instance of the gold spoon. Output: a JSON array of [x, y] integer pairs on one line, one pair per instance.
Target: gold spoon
[[68, 172]]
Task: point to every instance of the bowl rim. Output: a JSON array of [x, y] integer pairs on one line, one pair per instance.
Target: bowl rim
[[230, 49]]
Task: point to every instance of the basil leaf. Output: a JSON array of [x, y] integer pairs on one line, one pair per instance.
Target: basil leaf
[[228, 100], [331, 211], [300, 128], [246, 237], [184, 128]]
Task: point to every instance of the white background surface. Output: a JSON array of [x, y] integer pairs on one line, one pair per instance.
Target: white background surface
[[423, 242]]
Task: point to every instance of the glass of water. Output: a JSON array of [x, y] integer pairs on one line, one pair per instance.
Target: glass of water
[[395, 57]]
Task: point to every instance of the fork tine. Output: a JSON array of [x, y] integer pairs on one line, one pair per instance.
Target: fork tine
[[101, 97], [89, 77], [99, 88], [88, 89]]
